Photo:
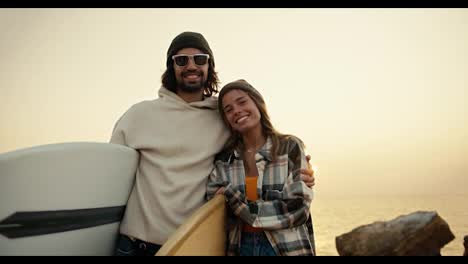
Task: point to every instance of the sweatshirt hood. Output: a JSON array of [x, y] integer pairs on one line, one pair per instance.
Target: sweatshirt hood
[[208, 102]]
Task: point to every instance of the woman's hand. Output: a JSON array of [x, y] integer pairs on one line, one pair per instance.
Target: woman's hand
[[220, 191], [307, 175]]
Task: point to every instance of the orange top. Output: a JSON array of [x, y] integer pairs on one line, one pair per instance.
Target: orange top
[[251, 188], [251, 191]]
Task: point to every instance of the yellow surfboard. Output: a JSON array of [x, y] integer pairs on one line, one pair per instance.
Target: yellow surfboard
[[202, 234]]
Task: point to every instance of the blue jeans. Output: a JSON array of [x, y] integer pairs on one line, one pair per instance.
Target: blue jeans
[[255, 244], [129, 247]]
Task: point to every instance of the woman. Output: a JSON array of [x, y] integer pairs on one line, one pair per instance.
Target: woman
[[259, 174]]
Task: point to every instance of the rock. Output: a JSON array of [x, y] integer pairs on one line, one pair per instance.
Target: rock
[[465, 244], [416, 234]]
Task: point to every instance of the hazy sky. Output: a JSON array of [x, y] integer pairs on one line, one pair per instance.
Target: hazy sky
[[378, 95]]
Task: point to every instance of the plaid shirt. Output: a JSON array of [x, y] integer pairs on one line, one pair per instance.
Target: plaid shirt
[[283, 207]]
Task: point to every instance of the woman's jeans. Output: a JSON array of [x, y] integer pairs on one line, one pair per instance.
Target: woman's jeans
[[255, 244], [135, 247]]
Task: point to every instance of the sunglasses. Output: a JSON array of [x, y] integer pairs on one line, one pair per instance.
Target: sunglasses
[[198, 59]]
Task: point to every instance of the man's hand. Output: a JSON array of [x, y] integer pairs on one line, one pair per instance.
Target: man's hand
[[307, 175]]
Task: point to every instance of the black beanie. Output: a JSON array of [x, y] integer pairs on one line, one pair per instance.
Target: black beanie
[[188, 40]]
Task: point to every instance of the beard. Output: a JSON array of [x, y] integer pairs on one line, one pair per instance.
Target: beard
[[190, 86]]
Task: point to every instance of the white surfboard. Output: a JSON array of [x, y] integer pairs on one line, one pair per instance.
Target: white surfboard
[[202, 234], [64, 199]]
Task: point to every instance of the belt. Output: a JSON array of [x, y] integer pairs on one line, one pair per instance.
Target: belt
[[143, 247]]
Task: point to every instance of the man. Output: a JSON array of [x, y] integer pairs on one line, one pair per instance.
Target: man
[[177, 136]]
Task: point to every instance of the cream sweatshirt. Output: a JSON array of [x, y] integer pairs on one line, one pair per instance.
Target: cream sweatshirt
[[177, 142]]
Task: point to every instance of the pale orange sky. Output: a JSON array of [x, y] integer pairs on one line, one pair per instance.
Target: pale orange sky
[[378, 95]]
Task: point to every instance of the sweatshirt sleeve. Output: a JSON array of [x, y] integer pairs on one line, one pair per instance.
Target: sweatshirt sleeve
[[216, 180], [284, 209], [118, 133], [118, 137]]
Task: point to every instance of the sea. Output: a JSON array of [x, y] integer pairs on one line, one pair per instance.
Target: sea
[[334, 216]]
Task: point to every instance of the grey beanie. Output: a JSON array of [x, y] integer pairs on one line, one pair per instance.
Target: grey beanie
[[188, 40], [240, 84]]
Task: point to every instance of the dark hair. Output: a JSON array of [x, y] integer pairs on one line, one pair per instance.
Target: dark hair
[[169, 81], [235, 140]]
